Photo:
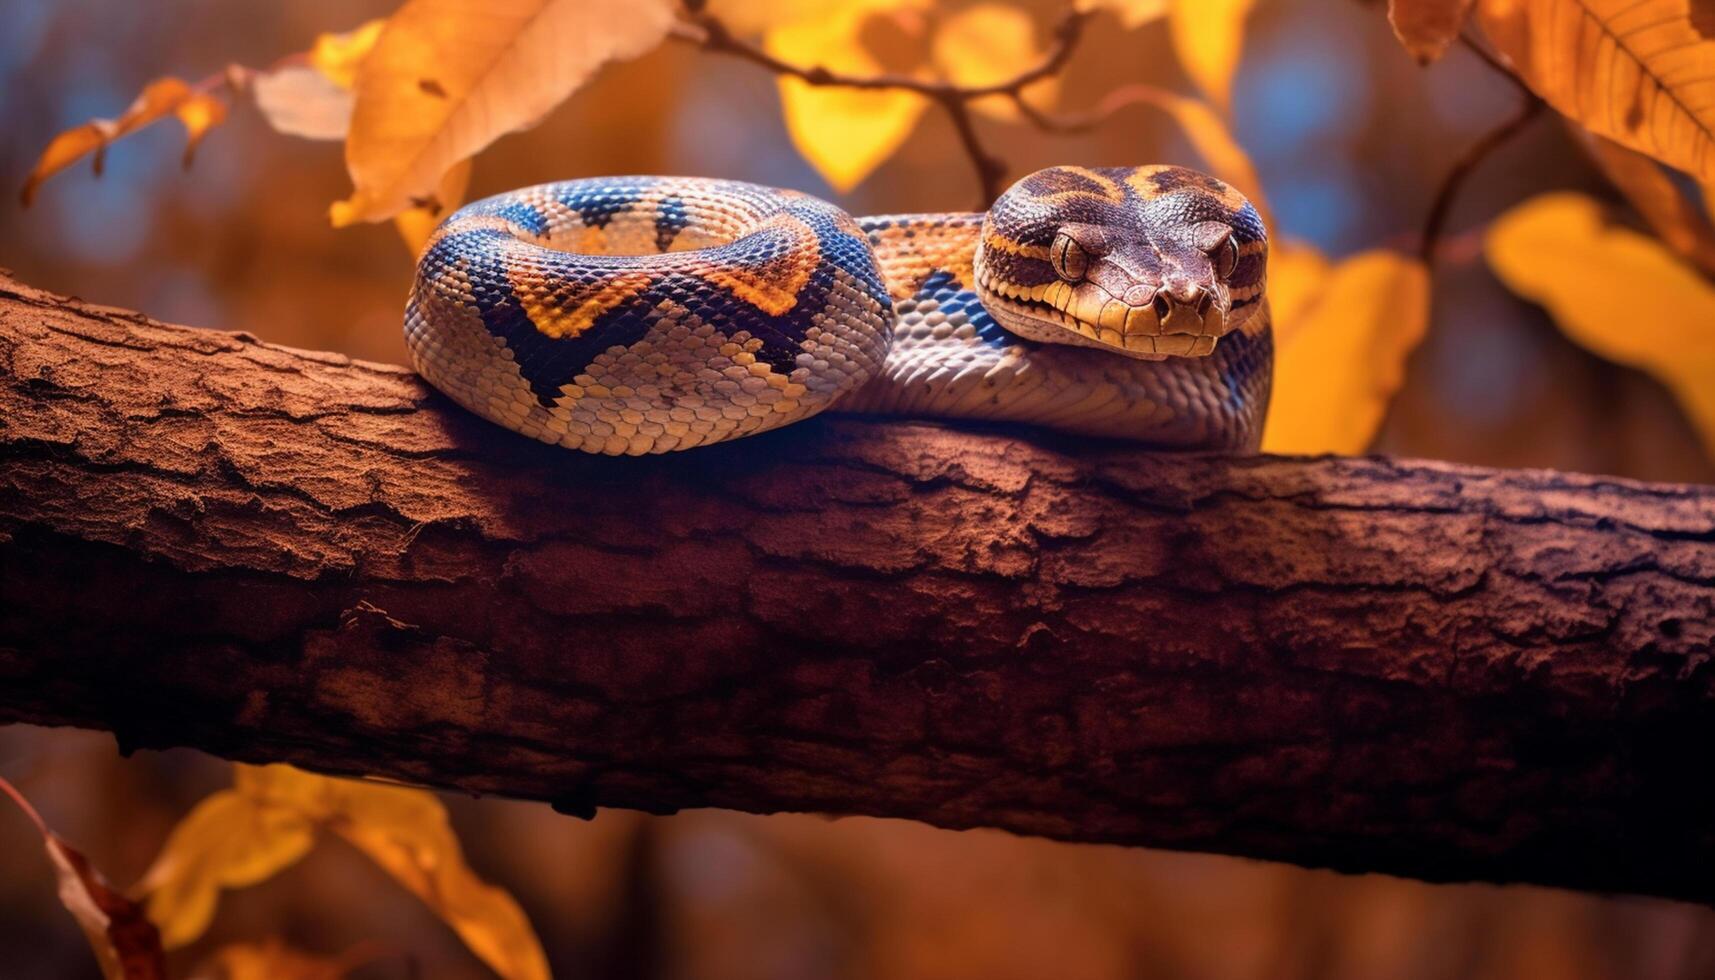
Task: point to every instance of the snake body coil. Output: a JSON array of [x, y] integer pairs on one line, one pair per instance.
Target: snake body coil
[[634, 315]]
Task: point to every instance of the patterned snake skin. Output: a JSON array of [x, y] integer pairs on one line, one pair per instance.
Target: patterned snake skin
[[634, 315]]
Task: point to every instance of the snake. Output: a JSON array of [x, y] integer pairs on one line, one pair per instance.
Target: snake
[[637, 315]]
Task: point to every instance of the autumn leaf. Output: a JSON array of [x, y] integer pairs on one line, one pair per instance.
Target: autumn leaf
[[987, 44], [446, 78], [844, 133], [126, 944], [1340, 345], [229, 840], [1620, 294], [1668, 210], [270, 819], [1426, 27], [1208, 36], [198, 111], [1635, 71]]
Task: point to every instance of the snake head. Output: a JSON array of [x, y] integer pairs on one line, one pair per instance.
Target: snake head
[[1147, 262]]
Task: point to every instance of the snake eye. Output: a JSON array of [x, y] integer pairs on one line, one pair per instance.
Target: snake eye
[[1069, 259], [1225, 258]]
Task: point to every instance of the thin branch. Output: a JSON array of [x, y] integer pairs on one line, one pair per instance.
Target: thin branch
[[1529, 107], [711, 34]]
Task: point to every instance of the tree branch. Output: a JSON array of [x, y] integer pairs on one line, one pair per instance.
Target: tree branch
[[1370, 664]]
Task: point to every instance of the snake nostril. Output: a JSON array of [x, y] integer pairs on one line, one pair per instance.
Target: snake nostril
[[1162, 306]]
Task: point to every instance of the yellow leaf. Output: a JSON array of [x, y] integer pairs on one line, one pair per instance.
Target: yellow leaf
[[1132, 13], [125, 942], [1426, 27], [1615, 292], [1297, 273], [1668, 210], [417, 222], [300, 101], [1635, 71], [987, 44], [337, 56], [1208, 36], [448, 77], [1340, 353], [844, 133], [160, 98], [232, 839]]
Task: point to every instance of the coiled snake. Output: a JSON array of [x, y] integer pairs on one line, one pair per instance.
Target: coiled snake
[[633, 315]]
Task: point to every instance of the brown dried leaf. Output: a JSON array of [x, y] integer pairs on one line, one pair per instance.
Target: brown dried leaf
[[1426, 27], [123, 939], [160, 98], [1635, 71]]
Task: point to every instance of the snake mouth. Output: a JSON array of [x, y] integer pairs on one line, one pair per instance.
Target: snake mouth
[[1150, 332]]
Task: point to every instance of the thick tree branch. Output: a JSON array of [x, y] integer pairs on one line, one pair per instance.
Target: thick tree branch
[[1372, 664]]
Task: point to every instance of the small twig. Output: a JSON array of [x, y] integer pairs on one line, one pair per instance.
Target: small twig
[[711, 34], [1436, 220]]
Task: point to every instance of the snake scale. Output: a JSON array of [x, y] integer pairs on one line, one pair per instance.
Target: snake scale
[[634, 315]]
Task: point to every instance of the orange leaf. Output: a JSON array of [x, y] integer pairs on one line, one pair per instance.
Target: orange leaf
[[124, 940], [448, 77], [1426, 27], [159, 99], [1635, 71]]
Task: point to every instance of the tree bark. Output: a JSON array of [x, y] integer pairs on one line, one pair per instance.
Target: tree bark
[[1363, 663]]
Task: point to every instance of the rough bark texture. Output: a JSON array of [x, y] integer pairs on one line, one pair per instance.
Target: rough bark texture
[[1370, 664]]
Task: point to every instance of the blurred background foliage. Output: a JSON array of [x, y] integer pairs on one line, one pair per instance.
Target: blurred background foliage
[[1350, 137]]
